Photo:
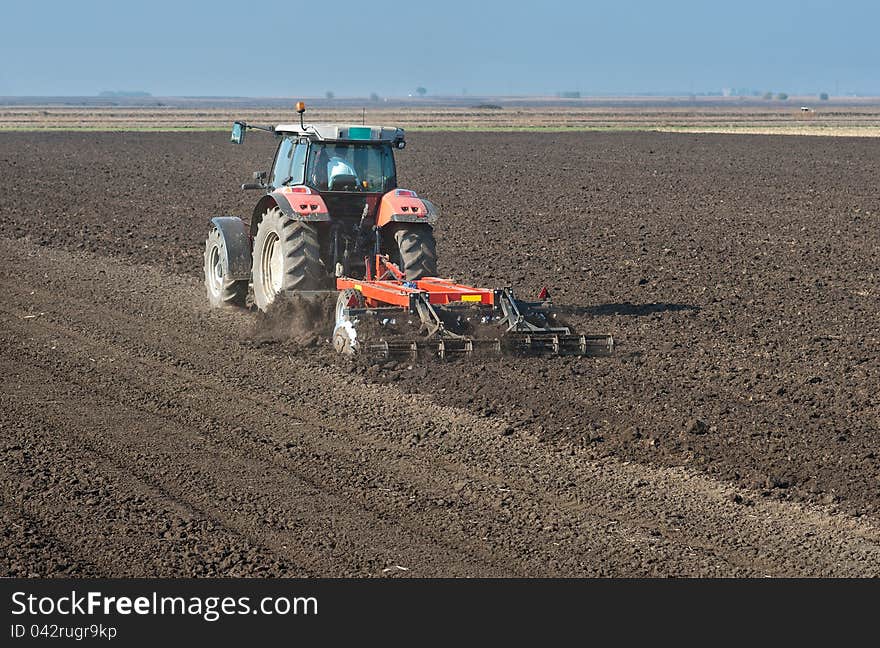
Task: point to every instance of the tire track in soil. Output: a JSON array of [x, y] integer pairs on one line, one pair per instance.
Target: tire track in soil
[[460, 499], [100, 509], [264, 488], [38, 552]]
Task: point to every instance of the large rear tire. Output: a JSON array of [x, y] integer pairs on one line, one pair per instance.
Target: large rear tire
[[417, 251], [222, 292], [287, 257]]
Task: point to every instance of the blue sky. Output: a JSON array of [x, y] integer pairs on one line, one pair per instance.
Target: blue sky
[[81, 47]]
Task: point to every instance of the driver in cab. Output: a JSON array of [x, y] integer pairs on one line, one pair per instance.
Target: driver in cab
[[334, 173]]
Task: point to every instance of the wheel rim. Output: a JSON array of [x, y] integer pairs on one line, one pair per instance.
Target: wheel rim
[[215, 270], [272, 264], [344, 332], [341, 305]]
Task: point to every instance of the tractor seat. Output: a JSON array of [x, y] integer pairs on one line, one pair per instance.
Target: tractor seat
[[343, 182]]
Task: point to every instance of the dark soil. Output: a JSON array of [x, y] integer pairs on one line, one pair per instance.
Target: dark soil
[[736, 430], [303, 321]]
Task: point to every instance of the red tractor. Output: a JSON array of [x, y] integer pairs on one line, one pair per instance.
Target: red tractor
[[331, 203]]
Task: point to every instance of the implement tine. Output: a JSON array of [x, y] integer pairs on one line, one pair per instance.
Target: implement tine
[[544, 344], [442, 348], [385, 350]]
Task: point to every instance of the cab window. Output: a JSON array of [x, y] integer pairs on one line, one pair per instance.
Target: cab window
[[298, 165], [290, 163], [283, 158], [371, 165]]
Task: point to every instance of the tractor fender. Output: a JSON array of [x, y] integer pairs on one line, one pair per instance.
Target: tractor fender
[[403, 206], [236, 258], [294, 203]]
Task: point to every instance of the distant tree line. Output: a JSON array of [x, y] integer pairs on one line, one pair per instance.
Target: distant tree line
[[124, 93], [782, 96]]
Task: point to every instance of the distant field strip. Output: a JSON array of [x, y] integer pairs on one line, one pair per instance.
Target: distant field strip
[[862, 120]]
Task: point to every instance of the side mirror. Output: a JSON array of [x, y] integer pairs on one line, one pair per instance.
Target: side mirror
[[260, 177], [238, 131]]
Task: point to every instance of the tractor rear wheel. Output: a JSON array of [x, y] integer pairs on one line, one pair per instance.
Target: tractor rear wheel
[[417, 251], [287, 257], [221, 291]]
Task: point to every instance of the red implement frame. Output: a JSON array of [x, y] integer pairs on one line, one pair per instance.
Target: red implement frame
[[388, 287]]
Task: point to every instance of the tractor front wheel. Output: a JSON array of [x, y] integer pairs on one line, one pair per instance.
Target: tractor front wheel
[[287, 257], [417, 251]]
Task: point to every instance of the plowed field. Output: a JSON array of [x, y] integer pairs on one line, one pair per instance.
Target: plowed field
[[735, 432]]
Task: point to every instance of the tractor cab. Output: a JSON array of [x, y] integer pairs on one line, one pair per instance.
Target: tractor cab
[[347, 174], [350, 166], [335, 164]]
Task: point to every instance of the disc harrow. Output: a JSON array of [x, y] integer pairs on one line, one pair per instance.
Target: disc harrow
[[387, 317]]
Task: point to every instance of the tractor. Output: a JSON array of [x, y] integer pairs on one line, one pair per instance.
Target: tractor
[[331, 202]]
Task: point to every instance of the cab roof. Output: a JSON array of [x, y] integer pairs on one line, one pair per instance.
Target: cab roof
[[344, 132]]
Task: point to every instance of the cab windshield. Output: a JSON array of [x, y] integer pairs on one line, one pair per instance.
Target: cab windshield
[[351, 167]]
